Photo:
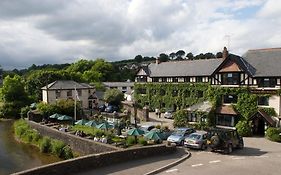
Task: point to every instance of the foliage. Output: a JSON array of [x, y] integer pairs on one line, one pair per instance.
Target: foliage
[[142, 141], [273, 134], [247, 105], [269, 111], [46, 145], [11, 109], [24, 111], [113, 96], [180, 118], [131, 141], [244, 128]]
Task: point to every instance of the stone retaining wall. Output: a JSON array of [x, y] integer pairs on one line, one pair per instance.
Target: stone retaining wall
[[90, 162], [81, 145]]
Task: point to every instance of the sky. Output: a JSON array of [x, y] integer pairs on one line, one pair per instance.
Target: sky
[[64, 31]]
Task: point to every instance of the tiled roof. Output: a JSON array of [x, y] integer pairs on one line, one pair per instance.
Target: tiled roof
[[184, 68], [67, 84], [267, 62], [226, 109]]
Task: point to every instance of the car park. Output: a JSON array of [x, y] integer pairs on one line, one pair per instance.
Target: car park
[[224, 139], [168, 114], [197, 140], [179, 135]]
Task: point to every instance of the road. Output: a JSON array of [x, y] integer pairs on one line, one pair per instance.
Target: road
[[259, 156]]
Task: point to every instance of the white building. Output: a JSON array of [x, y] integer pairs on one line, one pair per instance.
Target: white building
[[65, 89]]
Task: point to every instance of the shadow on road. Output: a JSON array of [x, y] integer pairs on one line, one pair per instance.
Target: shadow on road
[[142, 163], [248, 151]]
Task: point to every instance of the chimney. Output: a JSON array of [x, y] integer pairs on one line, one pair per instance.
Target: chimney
[[157, 61], [224, 53]]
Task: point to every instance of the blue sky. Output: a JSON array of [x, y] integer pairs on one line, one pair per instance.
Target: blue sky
[[51, 31]]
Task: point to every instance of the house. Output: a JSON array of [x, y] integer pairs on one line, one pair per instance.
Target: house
[[68, 89], [125, 87], [257, 70]]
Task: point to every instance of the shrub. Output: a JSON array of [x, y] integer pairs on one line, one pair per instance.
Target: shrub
[[67, 153], [131, 141], [244, 128], [142, 141], [273, 134], [180, 118], [45, 145], [57, 147]]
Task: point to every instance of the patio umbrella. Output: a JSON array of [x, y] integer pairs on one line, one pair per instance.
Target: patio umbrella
[[91, 123], [65, 118], [81, 122], [105, 126], [135, 132], [153, 135], [55, 116]]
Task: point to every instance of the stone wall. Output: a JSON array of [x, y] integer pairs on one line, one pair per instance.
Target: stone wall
[[90, 162], [142, 114], [81, 145]]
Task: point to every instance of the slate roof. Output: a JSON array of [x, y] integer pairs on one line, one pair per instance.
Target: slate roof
[[66, 84], [267, 62], [119, 84], [184, 68]]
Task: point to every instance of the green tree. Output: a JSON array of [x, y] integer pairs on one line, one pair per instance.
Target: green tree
[[81, 66], [138, 58], [180, 118], [172, 55], [180, 54], [190, 56], [163, 57], [113, 96]]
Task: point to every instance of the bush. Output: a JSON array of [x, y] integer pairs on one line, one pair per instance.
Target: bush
[[180, 118], [244, 128], [131, 141], [67, 153], [57, 147], [273, 134], [45, 145], [142, 141]]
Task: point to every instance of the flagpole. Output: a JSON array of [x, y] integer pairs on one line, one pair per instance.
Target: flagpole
[[75, 101]]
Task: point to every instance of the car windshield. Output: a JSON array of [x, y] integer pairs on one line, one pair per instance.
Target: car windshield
[[194, 136], [178, 133]]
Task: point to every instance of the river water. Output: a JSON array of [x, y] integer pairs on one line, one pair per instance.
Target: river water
[[15, 156]]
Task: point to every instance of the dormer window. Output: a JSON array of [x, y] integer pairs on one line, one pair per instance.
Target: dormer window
[[230, 78]]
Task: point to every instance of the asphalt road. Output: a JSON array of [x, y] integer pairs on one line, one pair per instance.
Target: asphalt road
[[259, 156]]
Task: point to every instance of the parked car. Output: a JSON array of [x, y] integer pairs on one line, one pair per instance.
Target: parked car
[[147, 127], [179, 135], [224, 139], [168, 114], [196, 140], [102, 108], [111, 109]]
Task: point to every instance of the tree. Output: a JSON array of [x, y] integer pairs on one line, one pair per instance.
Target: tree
[[199, 57], [190, 56], [104, 68], [209, 55], [163, 57], [172, 55], [219, 55], [113, 96], [180, 54], [138, 58], [81, 66]]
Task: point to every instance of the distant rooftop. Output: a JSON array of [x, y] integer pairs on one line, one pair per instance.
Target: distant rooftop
[[67, 84]]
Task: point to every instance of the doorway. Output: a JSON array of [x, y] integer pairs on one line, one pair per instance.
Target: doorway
[[258, 127]]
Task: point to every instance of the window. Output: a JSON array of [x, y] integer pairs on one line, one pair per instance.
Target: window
[[186, 79], [230, 99], [155, 79], [58, 94], [264, 101], [198, 79], [164, 79], [79, 91], [124, 88], [69, 93], [175, 79], [231, 79], [225, 120], [192, 117], [266, 82]]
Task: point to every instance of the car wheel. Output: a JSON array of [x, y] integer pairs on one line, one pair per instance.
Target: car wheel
[[229, 149], [203, 146], [182, 143]]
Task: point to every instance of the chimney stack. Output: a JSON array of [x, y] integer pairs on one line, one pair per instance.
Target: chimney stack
[[224, 53]]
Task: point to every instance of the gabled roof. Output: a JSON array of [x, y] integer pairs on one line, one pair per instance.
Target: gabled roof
[[145, 70], [242, 63], [184, 68], [265, 116], [267, 62], [66, 84]]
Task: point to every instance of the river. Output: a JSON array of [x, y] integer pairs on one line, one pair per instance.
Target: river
[[15, 156]]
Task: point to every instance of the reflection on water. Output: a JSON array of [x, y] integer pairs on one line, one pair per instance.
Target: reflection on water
[[15, 156]]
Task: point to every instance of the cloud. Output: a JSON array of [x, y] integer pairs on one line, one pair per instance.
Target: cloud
[[54, 31]]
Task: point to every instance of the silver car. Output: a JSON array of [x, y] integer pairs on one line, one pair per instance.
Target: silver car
[[196, 140]]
